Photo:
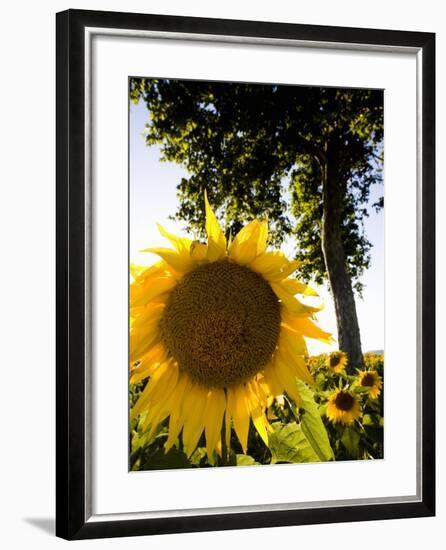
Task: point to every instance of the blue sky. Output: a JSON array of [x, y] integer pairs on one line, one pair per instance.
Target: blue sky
[[153, 199]]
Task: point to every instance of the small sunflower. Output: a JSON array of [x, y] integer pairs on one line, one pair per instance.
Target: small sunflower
[[218, 331], [337, 361], [372, 380], [343, 407]]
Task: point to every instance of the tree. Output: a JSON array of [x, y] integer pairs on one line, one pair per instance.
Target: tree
[[304, 156]]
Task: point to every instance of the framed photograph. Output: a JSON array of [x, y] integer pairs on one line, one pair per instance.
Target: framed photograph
[[245, 274]]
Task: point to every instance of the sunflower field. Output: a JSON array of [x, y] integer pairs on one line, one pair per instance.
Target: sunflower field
[[340, 417], [219, 368]]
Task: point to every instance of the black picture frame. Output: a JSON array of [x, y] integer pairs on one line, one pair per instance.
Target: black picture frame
[[71, 518]]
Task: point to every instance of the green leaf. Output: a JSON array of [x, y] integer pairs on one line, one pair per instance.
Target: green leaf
[[198, 456], [312, 424], [139, 440], [246, 460], [350, 439], [374, 420], [360, 390], [166, 461], [134, 459], [288, 444]]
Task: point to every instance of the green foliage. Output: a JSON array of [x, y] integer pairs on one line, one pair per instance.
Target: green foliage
[[306, 441], [312, 425], [257, 149], [365, 438], [289, 444], [245, 460], [160, 460], [351, 439], [300, 434]]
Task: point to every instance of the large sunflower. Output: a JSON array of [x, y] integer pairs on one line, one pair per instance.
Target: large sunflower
[[343, 407], [372, 380], [219, 331]]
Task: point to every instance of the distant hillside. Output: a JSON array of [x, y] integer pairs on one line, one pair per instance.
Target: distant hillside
[[376, 351]]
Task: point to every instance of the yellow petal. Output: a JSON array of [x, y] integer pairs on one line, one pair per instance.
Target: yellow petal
[[296, 365], [140, 346], [176, 420], [182, 244], [274, 266], [135, 271], [154, 415], [193, 414], [198, 251], [307, 328], [139, 314], [227, 427], [145, 314], [293, 286], [215, 408], [149, 362], [275, 385], [290, 302], [249, 242], [143, 334], [288, 378], [262, 390], [293, 340], [148, 272], [257, 413], [240, 414], [216, 239], [218, 448], [162, 408], [180, 261], [164, 378], [153, 287]]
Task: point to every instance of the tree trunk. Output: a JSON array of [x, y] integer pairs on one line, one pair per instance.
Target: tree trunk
[[334, 256]]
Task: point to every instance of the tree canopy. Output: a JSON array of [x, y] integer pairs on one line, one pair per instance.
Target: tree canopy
[[259, 150]]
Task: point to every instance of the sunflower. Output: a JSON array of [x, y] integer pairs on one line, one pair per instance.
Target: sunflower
[[337, 361], [372, 380], [343, 407], [219, 332]]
